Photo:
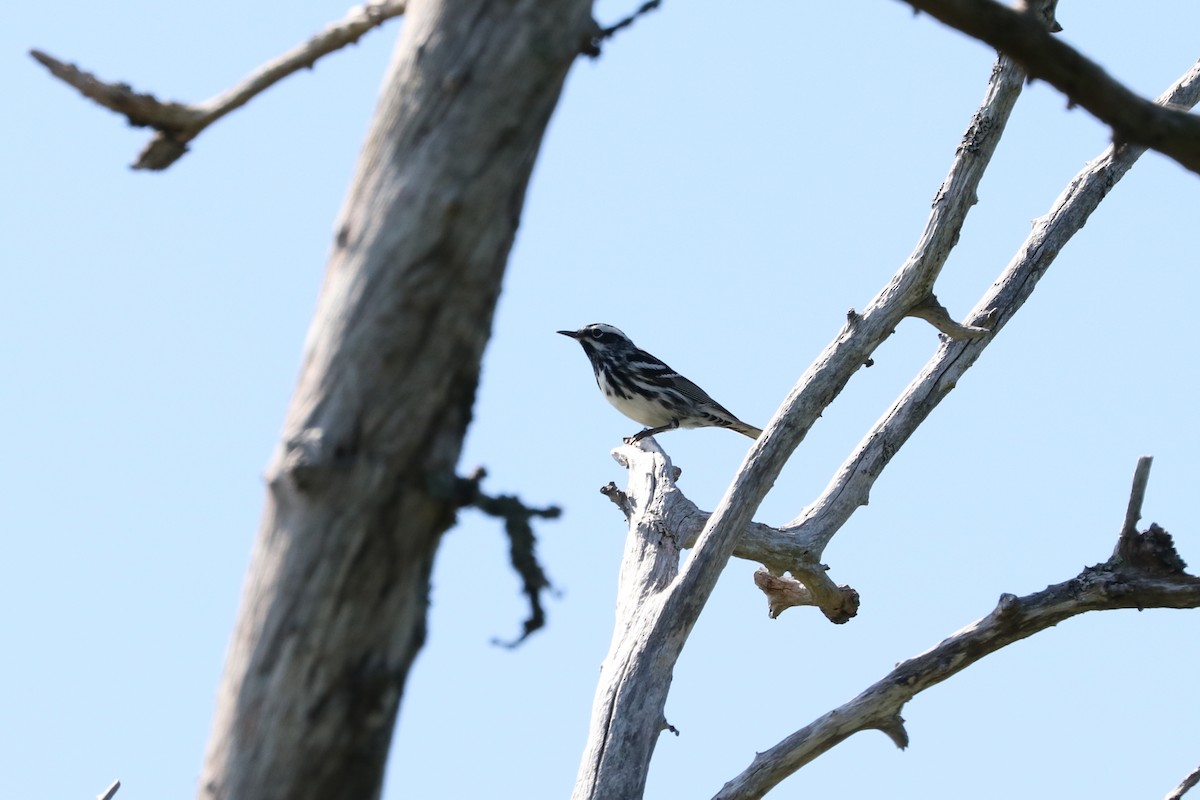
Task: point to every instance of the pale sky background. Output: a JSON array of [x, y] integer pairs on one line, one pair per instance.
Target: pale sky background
[[723, 184]]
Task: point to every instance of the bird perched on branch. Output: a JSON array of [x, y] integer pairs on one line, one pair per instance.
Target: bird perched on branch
[[648, 391]]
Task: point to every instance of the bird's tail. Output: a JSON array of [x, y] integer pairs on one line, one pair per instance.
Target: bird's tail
[[748, 430]]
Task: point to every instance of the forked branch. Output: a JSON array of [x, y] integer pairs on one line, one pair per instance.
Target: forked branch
[[1157, 581], [658, 602], [907, 290], [851, 485], [177, 124]]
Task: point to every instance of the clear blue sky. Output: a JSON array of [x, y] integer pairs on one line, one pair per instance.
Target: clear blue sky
[[723, 184]]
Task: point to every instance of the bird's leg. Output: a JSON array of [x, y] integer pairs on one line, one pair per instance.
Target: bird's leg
[[637, 437]]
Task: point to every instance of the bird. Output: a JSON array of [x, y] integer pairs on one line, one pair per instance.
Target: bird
[[646, 390]]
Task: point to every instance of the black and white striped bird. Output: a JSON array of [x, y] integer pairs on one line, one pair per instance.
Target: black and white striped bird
[[648, 391]]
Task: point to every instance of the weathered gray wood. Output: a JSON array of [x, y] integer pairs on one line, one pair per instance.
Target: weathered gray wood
[[627, 710], [1156, 581], [1187, 784], [335, 600], [627, 713], [797, 546], [624, 719], [852, 483]]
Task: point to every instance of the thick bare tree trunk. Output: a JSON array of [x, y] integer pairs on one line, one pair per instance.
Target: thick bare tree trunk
[[360, 485]]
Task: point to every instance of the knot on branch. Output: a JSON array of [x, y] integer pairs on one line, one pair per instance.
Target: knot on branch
[[521, 540], [1008, 608], [312, 457], [1151, 551], [1041, 10]]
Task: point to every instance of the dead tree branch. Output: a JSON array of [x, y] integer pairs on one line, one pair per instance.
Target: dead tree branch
[[650, 633], [909, 288], [652, 628], [1156, 581], [1141, 477], [851, 486], [1023, 37], [177, 124], [936, 315], [1185, 785], [522, 544], [592, 48]]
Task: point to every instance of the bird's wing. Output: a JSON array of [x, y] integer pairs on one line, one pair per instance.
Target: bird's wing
[[658, 371], [691, 391]]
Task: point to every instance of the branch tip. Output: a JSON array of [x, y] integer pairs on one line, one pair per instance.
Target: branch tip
[[1137, 495], [178, 123], [895, 730], [591, 47], [619, 498], [522, 544]]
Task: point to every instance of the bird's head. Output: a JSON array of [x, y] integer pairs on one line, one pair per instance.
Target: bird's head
[[599, 338]]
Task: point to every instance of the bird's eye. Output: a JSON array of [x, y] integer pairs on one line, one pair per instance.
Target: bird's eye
[[597, 333]]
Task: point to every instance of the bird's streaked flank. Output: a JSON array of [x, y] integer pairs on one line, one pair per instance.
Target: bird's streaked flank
[[648, 391]]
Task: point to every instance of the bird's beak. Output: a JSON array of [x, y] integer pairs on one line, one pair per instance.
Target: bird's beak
[[572, 334]]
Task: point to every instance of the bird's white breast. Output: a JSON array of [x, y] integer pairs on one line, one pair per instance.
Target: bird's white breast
[[637, 407]]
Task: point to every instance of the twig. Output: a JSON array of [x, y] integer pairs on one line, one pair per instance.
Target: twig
[[936, 315], [522, 544], [1021, 36], [1111, 585], [1187, 783], [108, 793], [592, 47], [179, 123], [1137, 495], [619, 498]]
